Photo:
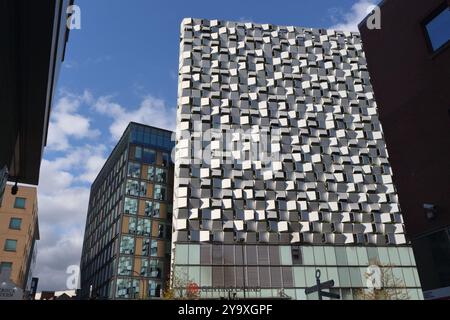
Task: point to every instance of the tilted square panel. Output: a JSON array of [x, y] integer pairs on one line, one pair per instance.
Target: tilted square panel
[[328, 179]]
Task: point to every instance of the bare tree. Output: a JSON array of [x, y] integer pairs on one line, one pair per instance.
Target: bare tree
[[180, 287], [390, 286]]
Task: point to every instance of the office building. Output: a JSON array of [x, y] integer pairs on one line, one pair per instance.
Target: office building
[[409, 64], [281, 166], [19, 231], [34, 36], [126, 249]]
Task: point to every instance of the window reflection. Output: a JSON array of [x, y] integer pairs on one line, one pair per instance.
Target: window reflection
[[138, 153], [134, 170], [146, 247], [123, 289], [154, 289], [145, 268], [149, 156], [148, 208], [160, 192], [144, 227], [127, 245], [166, 159], [132, 225], [160, 231], [161, 175], [130, 206], [143, 189], [154, 248], [156, 210], [156, 268], [132, 188], [125, 266], [150, 173]]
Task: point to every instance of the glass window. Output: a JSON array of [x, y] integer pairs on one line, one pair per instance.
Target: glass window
[[123, 288], [330, 256], [410, 280], [296, 255], [166, 159], [132, 225], [394, 256], [19, 203], [194, 254], [145, 267], [143, 189], [384, 256], [310, 276], [344, 277], [438, 29], [10, 245], [194, 274], [160, 193], [148, 208], [362, 256], [154, 248], [352, 256], [286, 257], [132, 188], [404, 256], [15, 223], [149, 156], [181, 254], [299, 277], [127, 245], [134, 170], [144, 227], [156, 268], [154, 289], [138, 153], [319, 256], [161, 175], [308, 256], [341, 256], [333, 275], [206, 276], [125, 266], [156, 213], [161, 228], [355, 277], [5, 265], [146, 247], [131, 206], [150, 173]]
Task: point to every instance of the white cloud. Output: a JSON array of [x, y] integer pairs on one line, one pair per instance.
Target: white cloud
[[63, 202], [152, 111], [349, 21], [67, 122], [65, 180], [55, 254]]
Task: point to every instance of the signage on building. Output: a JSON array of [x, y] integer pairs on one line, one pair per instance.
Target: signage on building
[[8, 290]]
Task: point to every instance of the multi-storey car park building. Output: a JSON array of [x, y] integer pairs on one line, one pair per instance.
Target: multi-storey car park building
[[126, 246], [322, 197]]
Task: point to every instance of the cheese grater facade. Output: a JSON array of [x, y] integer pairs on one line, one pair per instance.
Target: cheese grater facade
[[281, 167]]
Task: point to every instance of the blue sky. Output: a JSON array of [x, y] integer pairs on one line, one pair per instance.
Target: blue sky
[[123, 66]]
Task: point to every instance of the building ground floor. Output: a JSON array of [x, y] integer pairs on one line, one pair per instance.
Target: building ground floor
[[283, 271]]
